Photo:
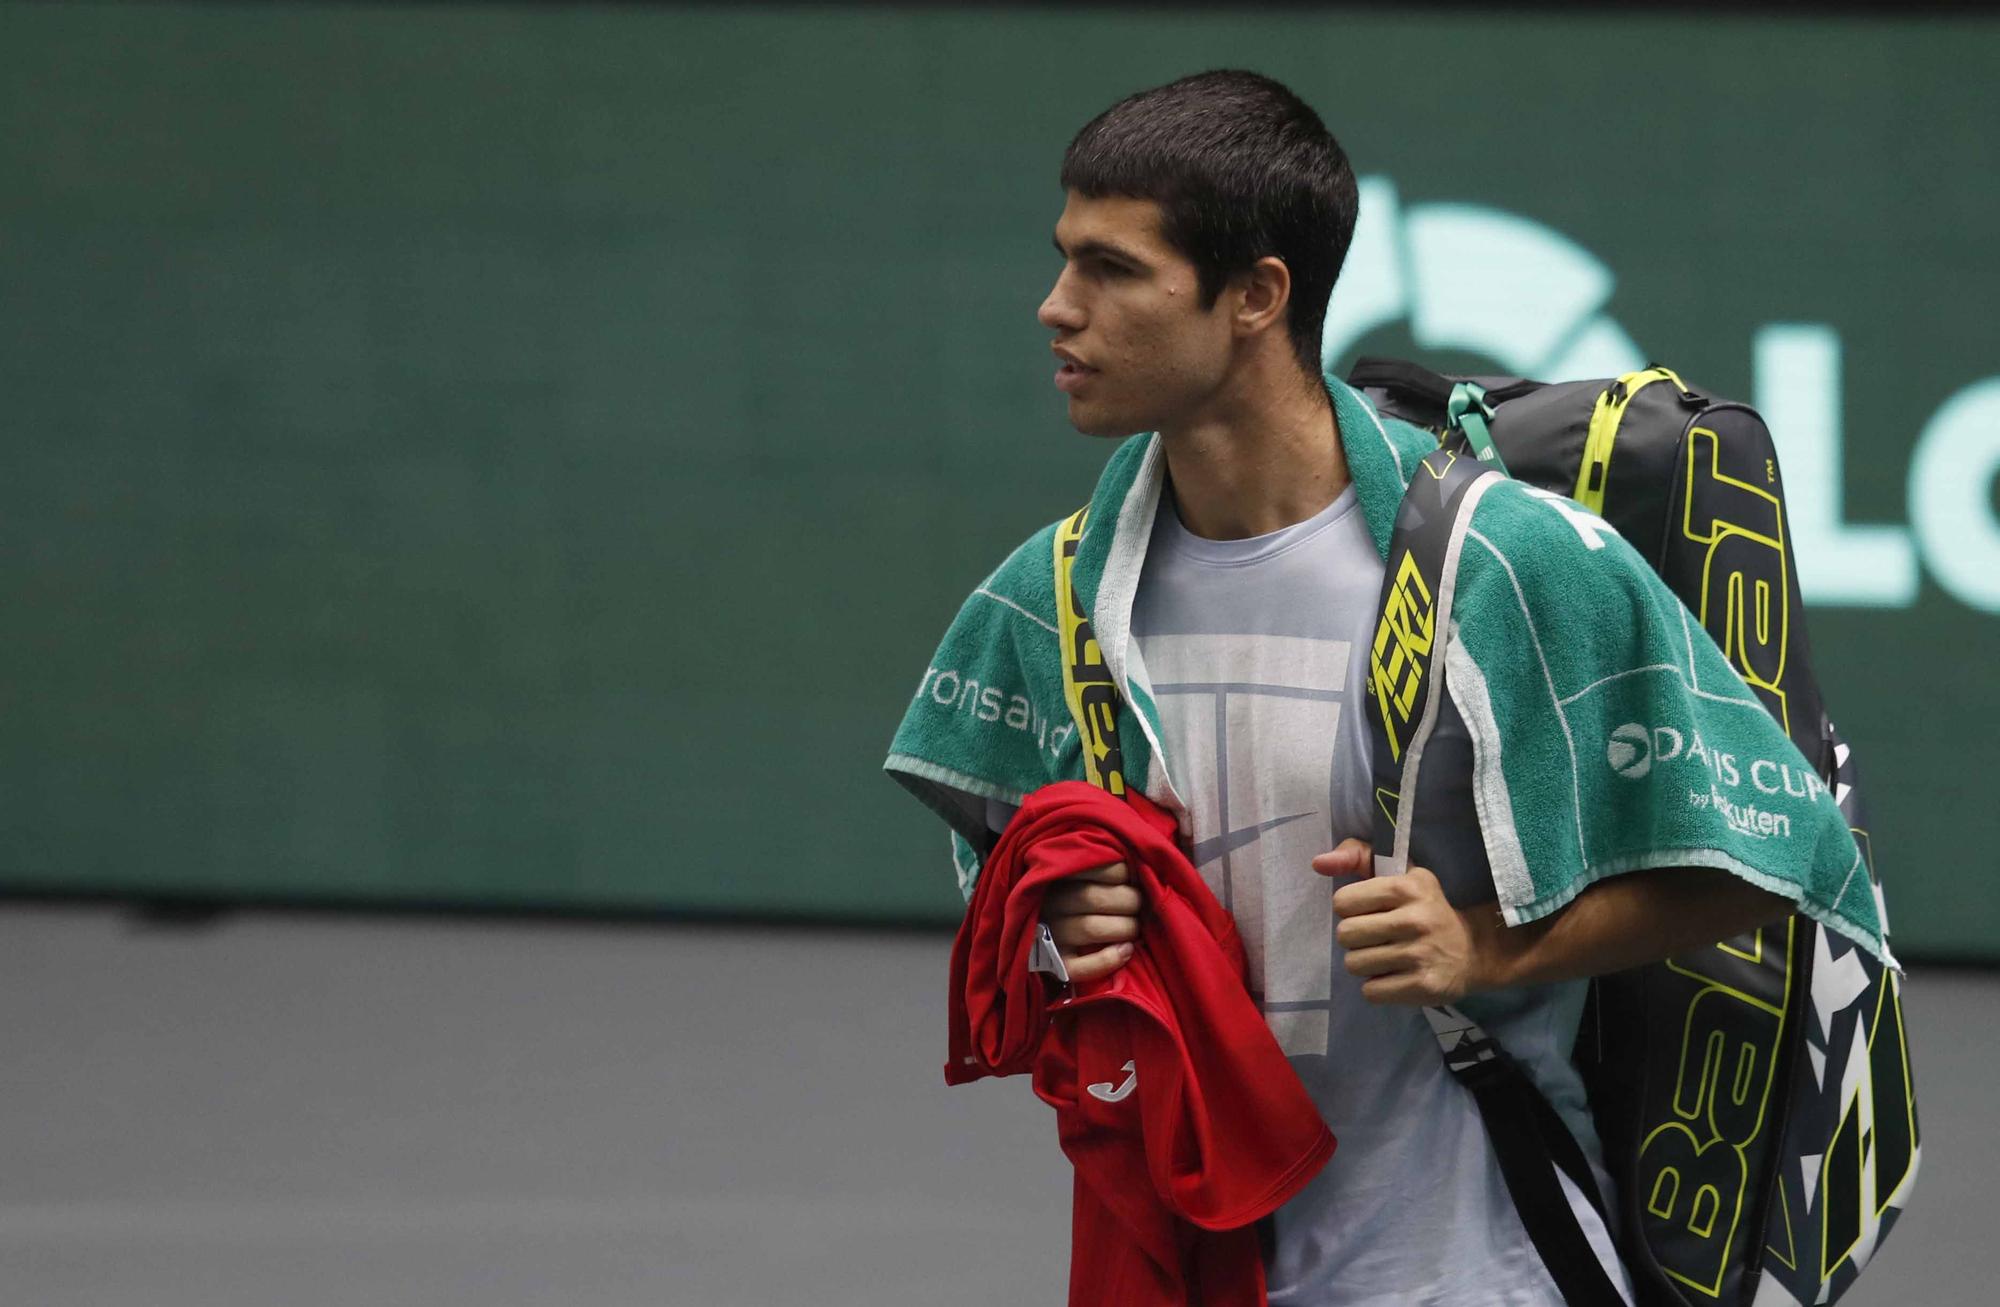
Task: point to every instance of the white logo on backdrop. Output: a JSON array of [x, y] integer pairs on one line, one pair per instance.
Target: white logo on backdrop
[[1476, 279]]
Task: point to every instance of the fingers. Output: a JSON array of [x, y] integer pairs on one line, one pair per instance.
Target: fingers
[[1094, 918], [1397, 974], [1351, 857], [1372, 929], [1093, 909], [1114, 874], [1403, 939], [1386, 893], [1378, 894], [1382, 960], [1096, 965], [1081, 898], [1082, 934]]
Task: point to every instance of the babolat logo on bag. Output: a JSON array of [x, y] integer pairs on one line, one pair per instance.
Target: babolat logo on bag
[[1087, 682]]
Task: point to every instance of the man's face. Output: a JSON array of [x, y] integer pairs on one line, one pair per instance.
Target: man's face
[[1136, 350]]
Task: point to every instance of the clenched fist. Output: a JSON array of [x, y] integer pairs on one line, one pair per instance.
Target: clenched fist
[[1402, 937], [1094, 916]]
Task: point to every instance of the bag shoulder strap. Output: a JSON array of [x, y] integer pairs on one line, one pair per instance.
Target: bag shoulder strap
[[1400, 376], [1088, 688], [1405, 691]]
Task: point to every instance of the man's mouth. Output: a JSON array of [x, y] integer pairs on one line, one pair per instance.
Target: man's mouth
[[1071, 373]]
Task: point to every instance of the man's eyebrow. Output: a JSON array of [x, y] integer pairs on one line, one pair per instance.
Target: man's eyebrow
[[1099, 249]]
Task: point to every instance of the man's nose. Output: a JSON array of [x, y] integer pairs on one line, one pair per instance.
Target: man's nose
[[1059, 312]]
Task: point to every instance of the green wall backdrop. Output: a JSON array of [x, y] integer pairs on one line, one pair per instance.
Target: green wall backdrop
[[525, 455]]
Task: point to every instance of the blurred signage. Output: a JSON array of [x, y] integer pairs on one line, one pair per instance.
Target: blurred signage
[[1466, 277]]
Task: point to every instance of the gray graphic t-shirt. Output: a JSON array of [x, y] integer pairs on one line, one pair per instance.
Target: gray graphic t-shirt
[[1256, 654]]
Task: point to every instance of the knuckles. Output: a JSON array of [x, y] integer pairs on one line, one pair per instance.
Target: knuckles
[[1069, 900], [1088, 931], [1383, 894]]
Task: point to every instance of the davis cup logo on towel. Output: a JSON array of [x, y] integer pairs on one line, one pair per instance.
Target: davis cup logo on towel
[[1635, 750]]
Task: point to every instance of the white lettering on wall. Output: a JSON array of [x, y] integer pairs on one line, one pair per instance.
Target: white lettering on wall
[[1798, 392], [1951, 486]]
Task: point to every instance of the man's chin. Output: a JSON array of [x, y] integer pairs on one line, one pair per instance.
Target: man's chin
[[1092, 421]]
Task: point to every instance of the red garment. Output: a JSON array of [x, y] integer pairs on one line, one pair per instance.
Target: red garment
[[1183, 1119]]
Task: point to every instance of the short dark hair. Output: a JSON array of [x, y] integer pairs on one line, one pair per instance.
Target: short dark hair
[[1242, 169]]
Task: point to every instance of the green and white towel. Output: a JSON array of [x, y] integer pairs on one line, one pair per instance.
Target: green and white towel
[[1609, 732]]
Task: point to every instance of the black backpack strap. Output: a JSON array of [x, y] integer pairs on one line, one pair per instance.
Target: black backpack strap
[[1415, 382], [1405, 689], [1400, 377], [1531, 1143], [1414, 618]]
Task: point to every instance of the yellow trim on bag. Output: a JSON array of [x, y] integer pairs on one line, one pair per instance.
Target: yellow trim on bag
[[1603, 433]]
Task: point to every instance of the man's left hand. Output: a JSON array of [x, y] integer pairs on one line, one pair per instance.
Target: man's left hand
[[1402, 937]]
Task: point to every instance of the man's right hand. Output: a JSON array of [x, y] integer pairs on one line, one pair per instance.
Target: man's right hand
[[1094, 916]]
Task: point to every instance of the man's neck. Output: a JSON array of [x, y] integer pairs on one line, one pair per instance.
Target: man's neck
[[1265, 458]]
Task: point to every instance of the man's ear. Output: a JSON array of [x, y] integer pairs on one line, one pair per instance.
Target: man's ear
[[1264, 295]]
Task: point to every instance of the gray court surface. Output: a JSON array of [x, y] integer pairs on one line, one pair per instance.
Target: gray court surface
[[306, 1111]]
